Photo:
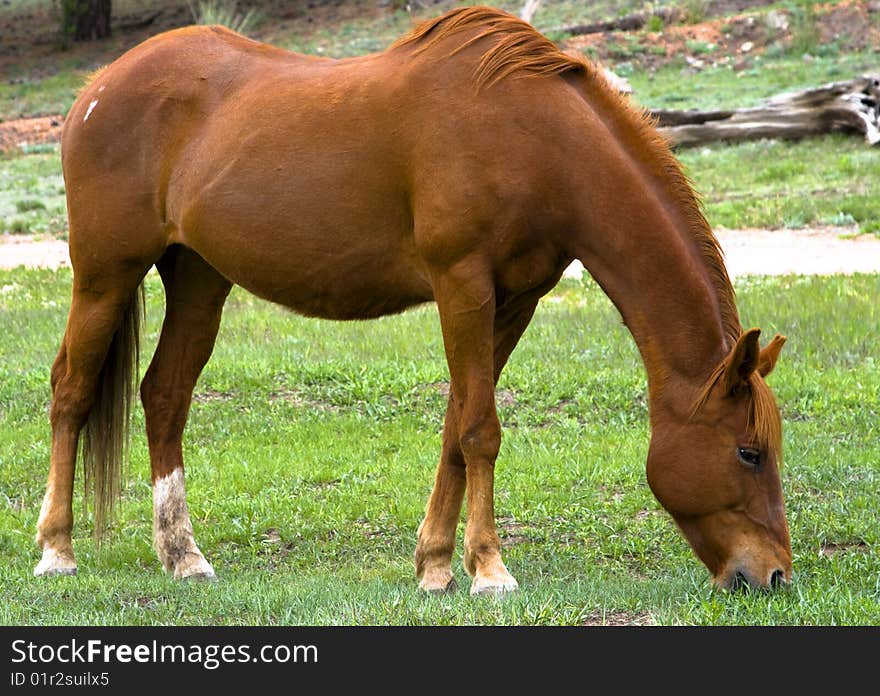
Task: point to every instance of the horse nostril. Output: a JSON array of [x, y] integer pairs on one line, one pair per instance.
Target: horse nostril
[[777, 579], [740, 582]]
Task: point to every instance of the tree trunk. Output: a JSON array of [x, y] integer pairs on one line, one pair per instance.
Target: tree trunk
[[85, 20], [528, 10], [631, 22]]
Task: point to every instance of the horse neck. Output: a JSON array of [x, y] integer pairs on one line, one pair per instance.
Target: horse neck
[[651, 262]]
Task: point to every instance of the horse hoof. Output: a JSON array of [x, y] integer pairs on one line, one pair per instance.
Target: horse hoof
[[50, 572], [54, 563], [194, 567], [439, 587], [494, 586]]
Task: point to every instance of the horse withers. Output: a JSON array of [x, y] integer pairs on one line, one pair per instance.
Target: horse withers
[[468, 164]]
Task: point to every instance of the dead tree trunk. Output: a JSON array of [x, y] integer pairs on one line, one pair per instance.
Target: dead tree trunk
[[848, 106], [528, 10], [85, 20], [631, 22]]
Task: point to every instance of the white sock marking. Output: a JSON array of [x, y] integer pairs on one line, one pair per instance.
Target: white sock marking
[[172, 529]]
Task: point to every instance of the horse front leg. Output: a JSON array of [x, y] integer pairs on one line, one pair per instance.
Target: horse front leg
[[437, 532], [436, 543], [466, 303]]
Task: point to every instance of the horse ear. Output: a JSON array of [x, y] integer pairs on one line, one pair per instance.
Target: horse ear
[[769, 355], [743, 361]]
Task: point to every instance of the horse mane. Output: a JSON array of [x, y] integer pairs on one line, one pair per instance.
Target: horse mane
[[657, 154], [764, 415], [518, 47]]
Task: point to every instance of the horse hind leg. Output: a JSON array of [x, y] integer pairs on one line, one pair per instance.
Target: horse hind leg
[[97, 309], [195, 294], [56, 513]]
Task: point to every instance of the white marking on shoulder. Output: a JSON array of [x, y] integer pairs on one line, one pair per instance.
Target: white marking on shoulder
[[102, 88], [92, 105]]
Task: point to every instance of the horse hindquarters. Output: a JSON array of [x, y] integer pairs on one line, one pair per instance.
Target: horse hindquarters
[[115, 237], [91, 385]]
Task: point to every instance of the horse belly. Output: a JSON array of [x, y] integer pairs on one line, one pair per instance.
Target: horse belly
[[320, 272], [333, 289]]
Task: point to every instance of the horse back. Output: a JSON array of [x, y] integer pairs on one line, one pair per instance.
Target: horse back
[[284, 170]]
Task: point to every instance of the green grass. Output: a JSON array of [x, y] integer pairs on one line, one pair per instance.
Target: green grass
[[329, 433], [721, 87], [829, 180], [41, 96], [32, 193]]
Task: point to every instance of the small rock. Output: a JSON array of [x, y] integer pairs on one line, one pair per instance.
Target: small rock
[[746, 47], [777, 20]]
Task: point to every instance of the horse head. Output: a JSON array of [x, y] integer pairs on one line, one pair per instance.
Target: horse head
[[715, 468]]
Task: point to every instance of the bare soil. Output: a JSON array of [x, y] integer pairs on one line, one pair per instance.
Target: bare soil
[[30, 131], [851, 25], [808, 251]]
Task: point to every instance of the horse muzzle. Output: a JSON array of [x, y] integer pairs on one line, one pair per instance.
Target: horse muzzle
[[740, 577]]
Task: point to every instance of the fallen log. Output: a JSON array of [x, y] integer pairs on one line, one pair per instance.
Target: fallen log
[[631, 22], [850, 106]]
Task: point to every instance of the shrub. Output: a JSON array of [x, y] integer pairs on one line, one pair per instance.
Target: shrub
[[24, 206], [225, 13]]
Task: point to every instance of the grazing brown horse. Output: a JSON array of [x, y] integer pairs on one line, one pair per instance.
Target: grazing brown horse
[[468, 164]]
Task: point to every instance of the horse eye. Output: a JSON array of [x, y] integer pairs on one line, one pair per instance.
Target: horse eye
[[748, 456]]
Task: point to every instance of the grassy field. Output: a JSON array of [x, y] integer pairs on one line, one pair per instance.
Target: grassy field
[[312, 445]]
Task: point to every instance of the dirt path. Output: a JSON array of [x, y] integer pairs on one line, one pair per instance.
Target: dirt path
[[813, 251], [34, 130], [25, 250], [808, 251]]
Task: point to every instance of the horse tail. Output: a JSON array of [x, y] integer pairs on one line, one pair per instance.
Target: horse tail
[[105, 438]]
